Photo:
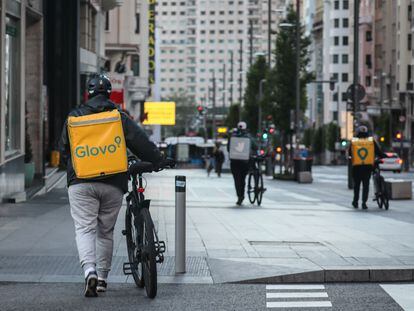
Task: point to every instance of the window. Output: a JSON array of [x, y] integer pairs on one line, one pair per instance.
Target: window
[[344, 97], [344, 58], [12, 86], [345, 22], [368, 81], [368, 36], [335, 97], [345, 41], [345, 77], [409, 42], [336, 22], [336, 5], [335, 76], [409, 73], [137, 21], [135, 65], [335, 58], [107, 21], [336, 40], [368, 61], [346, 5]]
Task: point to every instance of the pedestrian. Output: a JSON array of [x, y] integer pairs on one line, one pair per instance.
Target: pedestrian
[[363, 150], [240, 147], [218, 158], [210, 164], [94, 145]]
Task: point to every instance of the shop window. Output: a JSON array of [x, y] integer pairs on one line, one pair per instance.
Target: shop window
[[137, 20], [12, 87]]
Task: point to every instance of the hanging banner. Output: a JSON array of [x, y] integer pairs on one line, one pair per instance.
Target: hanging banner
[[159, 113], [151, 41]]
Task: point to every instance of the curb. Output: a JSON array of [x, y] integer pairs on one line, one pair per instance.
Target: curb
[[338, 276]]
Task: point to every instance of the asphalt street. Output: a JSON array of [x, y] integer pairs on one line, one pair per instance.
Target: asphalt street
[[61, 296]]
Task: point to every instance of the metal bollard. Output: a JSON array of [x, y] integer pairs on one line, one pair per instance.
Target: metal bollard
[[180, 227]]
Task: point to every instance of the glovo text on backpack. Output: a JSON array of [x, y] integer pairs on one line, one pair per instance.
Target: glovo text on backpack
[[97, 144], [363, 151]]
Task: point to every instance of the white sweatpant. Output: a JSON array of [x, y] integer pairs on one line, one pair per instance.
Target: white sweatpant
[[94, 208]]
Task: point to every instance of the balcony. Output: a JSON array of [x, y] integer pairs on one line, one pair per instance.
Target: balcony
[[111, 4]]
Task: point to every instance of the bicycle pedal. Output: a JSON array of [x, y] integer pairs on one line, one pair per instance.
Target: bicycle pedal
[[124, 232], [127, 268], [159, 258], [160, 247]]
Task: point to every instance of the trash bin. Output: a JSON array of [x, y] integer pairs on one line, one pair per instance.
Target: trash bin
[[302, 165]]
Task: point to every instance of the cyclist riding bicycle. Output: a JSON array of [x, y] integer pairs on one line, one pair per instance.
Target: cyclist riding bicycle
[[362, 152], [93, 145]]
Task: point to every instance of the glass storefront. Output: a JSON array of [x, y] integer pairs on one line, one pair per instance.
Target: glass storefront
[[12, 87]]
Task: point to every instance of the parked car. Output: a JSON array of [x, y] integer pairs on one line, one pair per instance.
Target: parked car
[[392, 162]]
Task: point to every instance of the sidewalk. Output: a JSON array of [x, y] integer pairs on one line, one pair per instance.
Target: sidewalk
[[293, 237]]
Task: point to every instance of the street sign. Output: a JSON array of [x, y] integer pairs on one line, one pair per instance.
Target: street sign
[[359, 89], [159, 113]]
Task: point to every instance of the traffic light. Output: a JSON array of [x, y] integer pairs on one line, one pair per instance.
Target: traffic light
[[200, 109], [279, 149], [382, 139], [265, 135], [398, 136], [262, 152]]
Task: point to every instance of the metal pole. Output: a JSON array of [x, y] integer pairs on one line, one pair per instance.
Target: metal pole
[[240, 78], [269, 32], [356, 57], [251, 42], [297, 71], [231, 78], [214, 107], [180, 223], [224, 87], [259, 121]]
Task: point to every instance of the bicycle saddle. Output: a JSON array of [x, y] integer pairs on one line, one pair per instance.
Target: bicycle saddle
[[140, 167]]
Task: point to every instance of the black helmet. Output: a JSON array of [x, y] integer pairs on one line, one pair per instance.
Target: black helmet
[[99, 84], [362, 131]]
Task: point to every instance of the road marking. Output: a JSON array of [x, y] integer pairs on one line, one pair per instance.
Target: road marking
[[402, 294], [297, 295], [299, 304], [295, 287]]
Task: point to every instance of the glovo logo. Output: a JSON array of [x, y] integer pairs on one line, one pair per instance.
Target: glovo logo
[[362, 153], [87, 151]]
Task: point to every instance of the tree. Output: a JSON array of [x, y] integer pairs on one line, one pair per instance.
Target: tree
[[280, 93], [333, 135], [256, 73], [233, 116], [308, 137], [185, 112], [318, 141]]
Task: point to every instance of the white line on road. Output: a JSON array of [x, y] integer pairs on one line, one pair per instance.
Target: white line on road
[[297, 295], [299, 304], [294, 286]]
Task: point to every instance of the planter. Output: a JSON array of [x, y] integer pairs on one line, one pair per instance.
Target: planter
[[29, 172]]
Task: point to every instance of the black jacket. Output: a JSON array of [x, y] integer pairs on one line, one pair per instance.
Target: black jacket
[[136, 140]]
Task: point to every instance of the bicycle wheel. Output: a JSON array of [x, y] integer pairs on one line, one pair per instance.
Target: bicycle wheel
[[260, 188], [149, 264], [378, 191], [133, 238], [251, 188]]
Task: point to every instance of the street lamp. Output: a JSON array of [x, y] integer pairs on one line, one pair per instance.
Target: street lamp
[[259, 125]]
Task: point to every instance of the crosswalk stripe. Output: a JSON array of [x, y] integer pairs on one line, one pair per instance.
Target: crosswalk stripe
[[299, 304], [294, 286], [297, 295]]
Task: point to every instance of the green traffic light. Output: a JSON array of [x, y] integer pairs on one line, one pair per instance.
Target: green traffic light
[[264, 135], [344, 143]]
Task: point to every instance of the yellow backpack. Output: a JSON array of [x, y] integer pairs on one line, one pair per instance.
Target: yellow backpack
[[97, 144], [363, 151]]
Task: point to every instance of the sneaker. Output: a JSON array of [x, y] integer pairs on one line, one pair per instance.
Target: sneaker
[[355, 204], [364, 206], [91, 281], [102, 285], [240, 201]]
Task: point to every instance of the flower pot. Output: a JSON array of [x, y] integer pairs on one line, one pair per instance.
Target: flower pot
[[29, 171]]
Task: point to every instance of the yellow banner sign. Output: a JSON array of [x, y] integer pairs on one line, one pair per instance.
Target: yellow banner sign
[[222, 130], [159, 113]]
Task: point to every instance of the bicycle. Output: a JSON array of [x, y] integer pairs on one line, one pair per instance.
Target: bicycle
[[144, 248], [255, 187], [381, 191]]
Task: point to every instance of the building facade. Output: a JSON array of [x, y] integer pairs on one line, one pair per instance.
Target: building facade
[[127, 51], [205, 40]]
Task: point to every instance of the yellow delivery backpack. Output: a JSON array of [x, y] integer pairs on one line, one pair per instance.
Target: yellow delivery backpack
[[363, 151], [97, 144]]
